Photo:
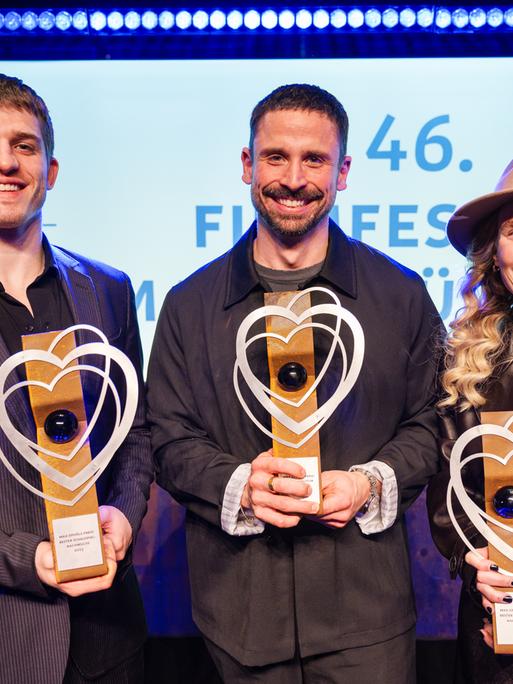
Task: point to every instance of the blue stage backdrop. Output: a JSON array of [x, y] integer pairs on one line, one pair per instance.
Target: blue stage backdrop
[[150, 182]]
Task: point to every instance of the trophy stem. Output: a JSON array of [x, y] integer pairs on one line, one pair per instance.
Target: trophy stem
[[292, 373], [499, 477], [60, 417]]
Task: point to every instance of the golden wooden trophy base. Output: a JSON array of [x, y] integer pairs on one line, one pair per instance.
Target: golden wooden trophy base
[[300, 349], [75, 531], [497, 476]]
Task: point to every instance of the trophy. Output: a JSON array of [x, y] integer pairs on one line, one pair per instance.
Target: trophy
[[492, 523], [54, 366], [291, 397]]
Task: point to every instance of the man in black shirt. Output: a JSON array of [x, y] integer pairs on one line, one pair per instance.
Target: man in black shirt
[[85, 630], [280, 593]]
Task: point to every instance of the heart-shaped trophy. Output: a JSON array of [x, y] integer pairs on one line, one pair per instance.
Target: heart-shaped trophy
[[497, 443], [291, 398], [53, 368]]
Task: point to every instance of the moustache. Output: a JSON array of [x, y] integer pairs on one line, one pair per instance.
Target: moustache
[[301, 194]]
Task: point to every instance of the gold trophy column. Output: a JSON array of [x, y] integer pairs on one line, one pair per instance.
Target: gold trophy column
[[299, 350], [66, 395]]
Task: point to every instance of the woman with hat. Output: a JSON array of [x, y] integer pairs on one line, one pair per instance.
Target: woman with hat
[[478, 376]]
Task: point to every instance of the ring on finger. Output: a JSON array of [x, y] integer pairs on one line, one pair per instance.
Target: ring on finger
[[270, 484]]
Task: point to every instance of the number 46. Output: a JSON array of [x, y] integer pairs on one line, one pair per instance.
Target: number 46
[[394, 153]]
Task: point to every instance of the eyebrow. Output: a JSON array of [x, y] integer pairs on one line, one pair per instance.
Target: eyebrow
[[266, 151], [25, 135]]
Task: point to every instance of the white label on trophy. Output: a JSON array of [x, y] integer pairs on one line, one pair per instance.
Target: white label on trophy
[[77, 541], [504, 623], [311, 466]]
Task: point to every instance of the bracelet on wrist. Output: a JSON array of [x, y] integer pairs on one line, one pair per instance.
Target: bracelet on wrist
[[373, 499]]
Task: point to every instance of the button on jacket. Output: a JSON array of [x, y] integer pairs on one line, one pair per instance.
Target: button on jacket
[[320, 588]]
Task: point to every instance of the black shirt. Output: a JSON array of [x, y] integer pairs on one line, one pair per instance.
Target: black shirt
[[48, 302]]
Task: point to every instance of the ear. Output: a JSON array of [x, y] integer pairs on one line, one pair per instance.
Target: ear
[[51, 176], [343, 172], [247, 165]]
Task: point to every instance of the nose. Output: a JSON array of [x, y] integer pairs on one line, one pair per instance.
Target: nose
[[294, 176], [8, 160]]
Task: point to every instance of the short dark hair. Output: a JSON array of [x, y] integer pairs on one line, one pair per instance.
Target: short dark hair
[[305, 97], [16, 94]]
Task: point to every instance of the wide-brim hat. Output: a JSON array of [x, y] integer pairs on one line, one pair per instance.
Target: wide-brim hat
[[464, 223]]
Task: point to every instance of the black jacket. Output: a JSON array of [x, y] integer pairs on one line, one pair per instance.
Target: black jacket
[[40, 627], [325, 589]]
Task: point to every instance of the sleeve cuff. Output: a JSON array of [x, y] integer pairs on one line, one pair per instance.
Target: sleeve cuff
[[233, 521], [384, 516]]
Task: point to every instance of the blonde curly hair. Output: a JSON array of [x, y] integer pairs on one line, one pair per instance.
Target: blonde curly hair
[[480, 334]]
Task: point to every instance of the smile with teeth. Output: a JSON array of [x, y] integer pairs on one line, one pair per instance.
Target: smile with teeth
[[292, 203], [9, 187]]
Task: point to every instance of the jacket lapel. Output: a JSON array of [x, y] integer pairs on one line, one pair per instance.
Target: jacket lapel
[[82, 298], [19, 409]]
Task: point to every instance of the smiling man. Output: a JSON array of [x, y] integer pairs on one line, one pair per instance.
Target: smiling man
[[86, 630], [281, 593]]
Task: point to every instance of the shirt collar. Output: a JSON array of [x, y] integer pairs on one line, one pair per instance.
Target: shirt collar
[[338, 267], [50, 263]]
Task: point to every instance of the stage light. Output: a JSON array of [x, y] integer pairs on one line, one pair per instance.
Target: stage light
[[252, 20], [166, 20], [425, 17], [460, 18], [200, 20], [442, 18], [98, 21], [133, 20], [303, 19], [390, 18], [115, 20], [149, 20], [321, 19], [477, 17], [407, 17], [234, 19], [494, 17], [269, 19], [183, 20], [63, 20], [29, 21], [217, 19], [286, 19], [355, 18], [12, 21], [46, 20], [80, 21], [372, 18], [338, 18]]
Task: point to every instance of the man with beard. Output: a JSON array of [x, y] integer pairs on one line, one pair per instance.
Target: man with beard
[[281, 593]]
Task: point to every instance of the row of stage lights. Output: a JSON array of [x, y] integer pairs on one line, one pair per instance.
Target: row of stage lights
[[423, 18]]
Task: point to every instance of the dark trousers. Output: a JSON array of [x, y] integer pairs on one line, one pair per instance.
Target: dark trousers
[[130, 671], [389, 662]]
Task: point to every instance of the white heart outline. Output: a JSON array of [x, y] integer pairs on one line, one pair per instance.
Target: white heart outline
[[475, 514], [123, 423], [251, 319], [317, 419], [101, 397]]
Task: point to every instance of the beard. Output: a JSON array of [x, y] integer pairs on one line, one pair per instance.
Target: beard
[[289, 228]]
